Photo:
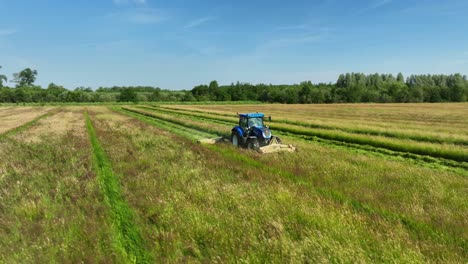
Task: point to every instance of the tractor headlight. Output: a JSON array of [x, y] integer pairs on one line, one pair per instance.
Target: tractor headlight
[[266, 133]]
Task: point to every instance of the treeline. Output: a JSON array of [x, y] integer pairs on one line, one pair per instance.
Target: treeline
[[26, 91], [56, 93], [349, 88]]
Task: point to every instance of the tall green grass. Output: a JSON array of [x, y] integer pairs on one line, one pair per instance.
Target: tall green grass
[[129, 241], [51, 209]]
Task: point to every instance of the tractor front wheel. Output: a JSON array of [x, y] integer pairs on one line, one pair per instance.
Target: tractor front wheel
[[253, 144]]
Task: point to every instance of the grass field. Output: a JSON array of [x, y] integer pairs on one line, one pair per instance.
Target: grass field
[[369, 184]]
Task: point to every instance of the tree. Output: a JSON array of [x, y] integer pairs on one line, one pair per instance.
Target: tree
[[457, 91], [400, 78], [2, 78], [305, 93], [128, 95], [26, 77], [212, 89], [155, 95], [188, 97]]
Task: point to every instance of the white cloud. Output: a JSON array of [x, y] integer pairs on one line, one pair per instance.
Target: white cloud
[[379, 3], [121, 2], [141, 16], [375, 4], [293, 27], [296, 40], [312, 36], [456, 62], [198, 22], [7, 32]]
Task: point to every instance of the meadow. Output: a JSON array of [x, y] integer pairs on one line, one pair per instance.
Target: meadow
[[370, 183]]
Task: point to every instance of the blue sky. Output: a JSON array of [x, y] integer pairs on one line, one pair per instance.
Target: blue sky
[[179, 44]]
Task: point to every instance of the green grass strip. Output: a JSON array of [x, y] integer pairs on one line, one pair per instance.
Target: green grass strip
[[424, 160], [175, 121], [371, 132], [417, 228], [184, 131], [129, 241], [25, 126], [405, 147]]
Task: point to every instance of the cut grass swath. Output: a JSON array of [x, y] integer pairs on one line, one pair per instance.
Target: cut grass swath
[[187, 132], [25, 126], [368, 131], [129, 241], [336, 135], [175, 121]]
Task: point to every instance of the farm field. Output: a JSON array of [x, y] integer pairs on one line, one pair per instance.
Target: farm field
[[369, 183]]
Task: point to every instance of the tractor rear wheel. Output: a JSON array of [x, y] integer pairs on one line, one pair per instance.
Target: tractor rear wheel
[[235, 139]]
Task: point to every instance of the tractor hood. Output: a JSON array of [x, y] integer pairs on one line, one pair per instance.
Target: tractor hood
[[262, 132]]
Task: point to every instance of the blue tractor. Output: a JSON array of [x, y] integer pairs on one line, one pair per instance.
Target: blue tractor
[[252, 133]]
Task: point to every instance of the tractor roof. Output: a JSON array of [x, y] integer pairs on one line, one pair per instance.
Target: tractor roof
[[248, 115]]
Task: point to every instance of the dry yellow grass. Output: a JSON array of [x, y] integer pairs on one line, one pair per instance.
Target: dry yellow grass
[[109, 117], [12, 118], [67, 120], [8, 111]]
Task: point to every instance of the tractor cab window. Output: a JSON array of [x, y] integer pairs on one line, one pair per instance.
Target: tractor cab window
[[255, 121], [243, 122]]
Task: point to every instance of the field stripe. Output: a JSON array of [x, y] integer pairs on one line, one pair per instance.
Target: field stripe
[[349, 137], [181, 123], [372, 132], [129, 240], [188, 132], [417, 228], [25, 126], [424, 160]]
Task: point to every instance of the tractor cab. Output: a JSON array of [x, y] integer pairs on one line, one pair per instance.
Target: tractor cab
[[251, 120]]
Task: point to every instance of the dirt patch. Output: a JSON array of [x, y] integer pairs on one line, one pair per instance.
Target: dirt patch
[[64, 122], [16, 117]]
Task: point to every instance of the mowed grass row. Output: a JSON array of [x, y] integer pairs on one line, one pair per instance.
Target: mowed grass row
[[221, 127], [51, 207], [416, 135], [447, 118], [128, 238], [414, 120], [24, 126], [197, 204], [450, 152], [393, 190], [419, 135]]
